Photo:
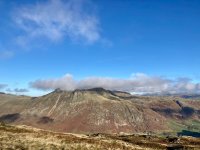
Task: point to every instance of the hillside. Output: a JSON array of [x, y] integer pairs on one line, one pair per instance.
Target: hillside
[[102, 111], [11, 104], [34, 139]]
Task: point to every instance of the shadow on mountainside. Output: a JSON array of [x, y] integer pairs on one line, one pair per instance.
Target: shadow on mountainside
[[9, 118], [189, 133]]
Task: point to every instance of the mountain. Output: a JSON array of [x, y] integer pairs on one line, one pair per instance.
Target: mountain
[[99, 110]]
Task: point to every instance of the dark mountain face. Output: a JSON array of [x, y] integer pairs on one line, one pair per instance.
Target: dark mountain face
[[98, 110]]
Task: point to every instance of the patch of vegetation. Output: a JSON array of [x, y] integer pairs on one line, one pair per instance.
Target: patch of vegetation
[[180, 128], [177, 126], [193, 125]]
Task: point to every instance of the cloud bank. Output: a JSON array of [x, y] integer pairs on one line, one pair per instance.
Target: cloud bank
[[137, 83], [56, 19]]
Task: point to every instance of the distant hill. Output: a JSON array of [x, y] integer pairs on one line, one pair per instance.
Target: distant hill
[[99, 110], [185, 96], [191, 96]]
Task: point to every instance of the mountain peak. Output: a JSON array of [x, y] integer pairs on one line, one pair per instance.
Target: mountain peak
[[58, 90], [98, 89]]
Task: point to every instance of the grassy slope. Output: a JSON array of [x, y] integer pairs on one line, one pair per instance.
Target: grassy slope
[[10, 104], [190, 125], [23, 137]]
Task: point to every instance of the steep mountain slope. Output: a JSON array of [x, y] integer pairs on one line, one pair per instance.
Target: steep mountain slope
[[100, 110], [93, 110]]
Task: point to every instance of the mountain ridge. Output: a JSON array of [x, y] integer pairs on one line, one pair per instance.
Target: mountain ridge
[[99, 110]]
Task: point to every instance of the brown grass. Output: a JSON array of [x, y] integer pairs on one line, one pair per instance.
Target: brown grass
[[24, 138]]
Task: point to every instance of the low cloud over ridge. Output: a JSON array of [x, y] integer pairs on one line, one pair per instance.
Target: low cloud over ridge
[[137, 83]]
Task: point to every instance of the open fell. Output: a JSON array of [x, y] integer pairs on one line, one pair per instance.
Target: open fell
[[25, 137], [102, 111]]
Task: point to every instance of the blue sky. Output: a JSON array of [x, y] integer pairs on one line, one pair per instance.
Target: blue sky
[[141, 45]]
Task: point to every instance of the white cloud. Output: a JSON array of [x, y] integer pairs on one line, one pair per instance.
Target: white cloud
[[66, 82], [5, 54], [56, 19], [137, 83]]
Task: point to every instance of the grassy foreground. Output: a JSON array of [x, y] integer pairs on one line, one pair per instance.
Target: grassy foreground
[[24, 137]]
